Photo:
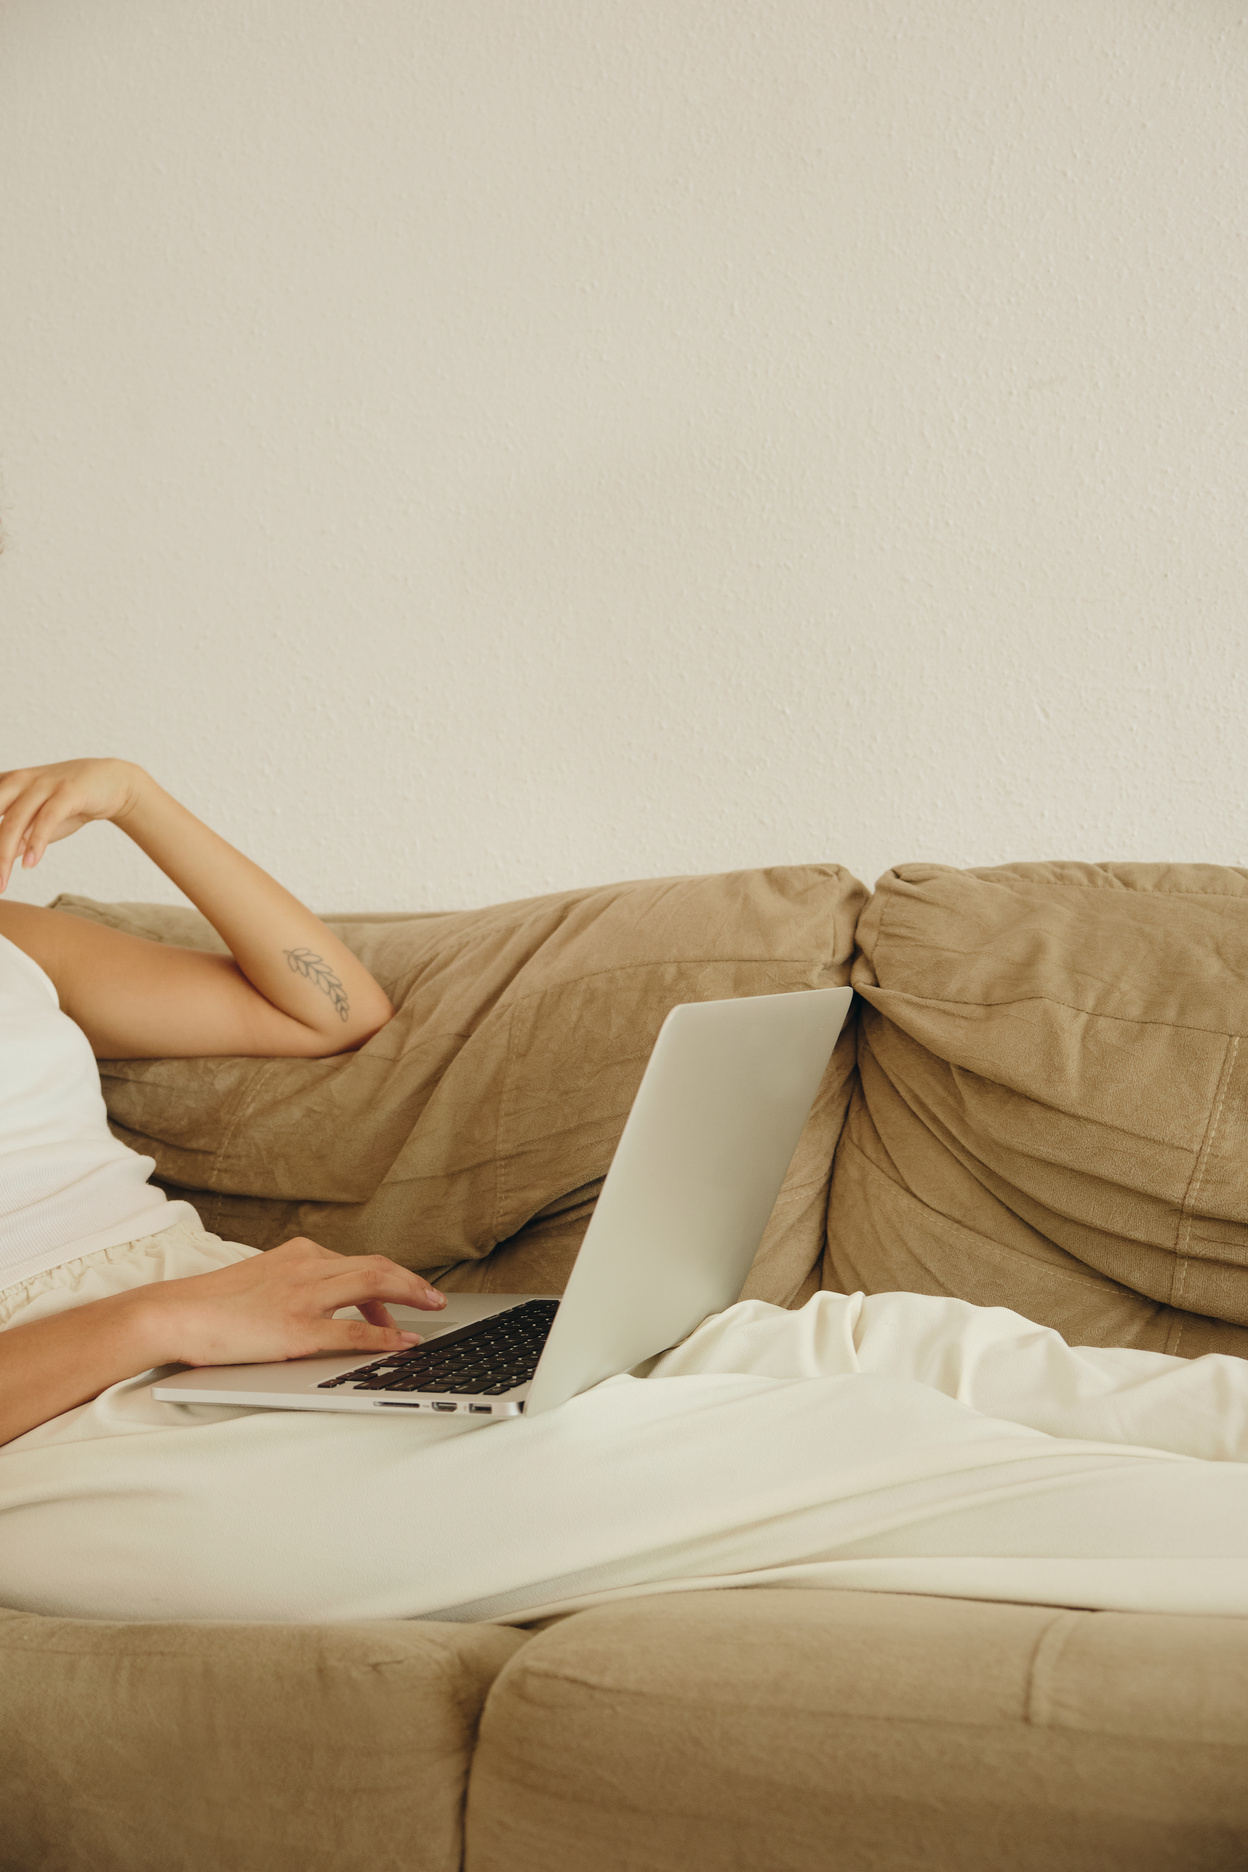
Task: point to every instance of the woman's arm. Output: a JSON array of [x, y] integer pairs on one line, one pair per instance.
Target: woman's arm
[[288, 986], [277, 1305]]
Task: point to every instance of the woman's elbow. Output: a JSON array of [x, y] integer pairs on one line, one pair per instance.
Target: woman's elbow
[[355, 1030]]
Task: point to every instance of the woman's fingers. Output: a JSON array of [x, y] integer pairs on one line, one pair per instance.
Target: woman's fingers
[[40, 804], [15, 828], [41, 812], [14, 782], [376, 1275], [53, 820], [373, 1278], [282, 1305], [359, 1336], [376, 1314]]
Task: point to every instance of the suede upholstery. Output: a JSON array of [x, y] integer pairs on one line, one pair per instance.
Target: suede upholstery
[[1048, 1111], [1051, 1112], [238, 1748], [488, 1109], [856, 1731]]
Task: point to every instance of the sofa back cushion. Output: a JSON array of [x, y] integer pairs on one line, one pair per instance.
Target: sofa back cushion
[[1052, 1112], [487, 1111]]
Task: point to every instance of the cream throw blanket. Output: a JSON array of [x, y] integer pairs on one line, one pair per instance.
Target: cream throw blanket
[[901, 1441]]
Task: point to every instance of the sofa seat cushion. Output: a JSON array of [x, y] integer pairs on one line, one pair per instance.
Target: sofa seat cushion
[[487, 1111], [1052, 1111], [794, 1731], [235, 1748]]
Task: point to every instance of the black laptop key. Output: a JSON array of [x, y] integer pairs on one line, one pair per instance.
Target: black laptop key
[[494, 1356]]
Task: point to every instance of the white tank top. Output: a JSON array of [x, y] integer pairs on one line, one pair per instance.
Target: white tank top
[[67, 1187]]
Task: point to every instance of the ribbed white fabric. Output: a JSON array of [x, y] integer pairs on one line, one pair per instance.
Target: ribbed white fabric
[[67, 1187], [895, 1442]]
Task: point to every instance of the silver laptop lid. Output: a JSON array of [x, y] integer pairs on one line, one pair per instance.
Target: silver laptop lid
[[693, 1181]]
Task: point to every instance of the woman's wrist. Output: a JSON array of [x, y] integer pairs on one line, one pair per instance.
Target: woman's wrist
[[139, 790], [148, 1327], [53, 1365]]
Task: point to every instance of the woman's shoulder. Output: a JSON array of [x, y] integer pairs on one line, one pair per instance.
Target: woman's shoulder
[[26, 944], [50, 940], [34, 930]]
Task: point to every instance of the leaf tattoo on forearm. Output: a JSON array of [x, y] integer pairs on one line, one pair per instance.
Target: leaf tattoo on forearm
[[316, 969]]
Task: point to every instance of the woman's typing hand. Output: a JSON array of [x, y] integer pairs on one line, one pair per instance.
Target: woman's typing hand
[[278, 1305], [281, 1305]]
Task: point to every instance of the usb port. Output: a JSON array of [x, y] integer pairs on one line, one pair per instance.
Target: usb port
[[487, 1408], [444, 1407]]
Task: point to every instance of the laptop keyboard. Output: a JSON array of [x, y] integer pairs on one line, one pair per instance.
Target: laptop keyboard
[[486, 1359]]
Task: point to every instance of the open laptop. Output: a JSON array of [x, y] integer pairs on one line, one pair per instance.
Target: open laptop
[[698, 1168]]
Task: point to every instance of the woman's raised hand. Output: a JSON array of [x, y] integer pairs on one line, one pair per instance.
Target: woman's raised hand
[[293, 989], [280, 1305], [39, 805]]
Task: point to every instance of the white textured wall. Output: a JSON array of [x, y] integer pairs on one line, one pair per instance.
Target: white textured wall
[[473, 448]]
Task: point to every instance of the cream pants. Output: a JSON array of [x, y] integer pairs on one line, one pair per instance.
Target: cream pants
[[895, 1442]]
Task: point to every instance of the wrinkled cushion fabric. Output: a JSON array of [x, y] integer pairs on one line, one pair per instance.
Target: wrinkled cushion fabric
[[230, 1748], [866, 1732], [488, 1110], [1052, 1110]]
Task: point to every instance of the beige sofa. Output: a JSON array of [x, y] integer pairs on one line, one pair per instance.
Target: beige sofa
[[1042, 1102]]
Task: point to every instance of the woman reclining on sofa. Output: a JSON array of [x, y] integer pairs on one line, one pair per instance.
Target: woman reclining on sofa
[[896, 1441]]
